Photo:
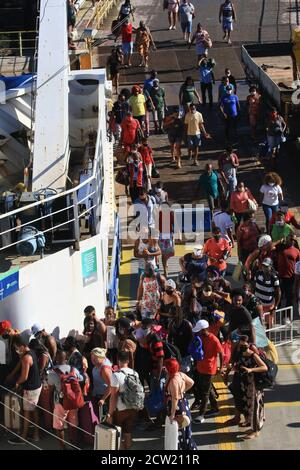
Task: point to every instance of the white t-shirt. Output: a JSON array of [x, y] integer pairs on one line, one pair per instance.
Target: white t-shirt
[[224, 222], [271, 194], [118, 380]]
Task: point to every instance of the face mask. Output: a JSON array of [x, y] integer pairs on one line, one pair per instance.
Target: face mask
[[272, 184], [280, 223], [243, 348], [217, 237]]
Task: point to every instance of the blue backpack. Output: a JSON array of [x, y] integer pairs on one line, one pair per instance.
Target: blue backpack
[[196, 349]]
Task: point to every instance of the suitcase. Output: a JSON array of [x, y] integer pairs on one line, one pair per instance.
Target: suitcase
[[87, 421], [171, 435], [107, 437], [46, 402], [12, 420]]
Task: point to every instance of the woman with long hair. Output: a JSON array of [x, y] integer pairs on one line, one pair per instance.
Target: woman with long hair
[[271, 196], [178, 408], [248, 398]]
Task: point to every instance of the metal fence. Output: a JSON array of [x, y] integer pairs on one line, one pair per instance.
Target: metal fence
[[282, 332], [51, 213], [17, 42]]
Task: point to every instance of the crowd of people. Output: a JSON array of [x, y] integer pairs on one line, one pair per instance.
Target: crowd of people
[[183, 333]]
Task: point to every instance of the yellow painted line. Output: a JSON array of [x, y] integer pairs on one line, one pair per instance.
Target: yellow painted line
[[288, 366], [124, 282], [223, 391], [282, 404]]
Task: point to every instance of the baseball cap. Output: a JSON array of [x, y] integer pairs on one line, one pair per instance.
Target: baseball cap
[[264, 240], [200, 325], [36, 328], [267, 262], [171, 283]]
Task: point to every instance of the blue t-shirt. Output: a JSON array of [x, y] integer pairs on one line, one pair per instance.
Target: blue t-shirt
[[148, 85], [206, 75], [230, 105], [222, 89]]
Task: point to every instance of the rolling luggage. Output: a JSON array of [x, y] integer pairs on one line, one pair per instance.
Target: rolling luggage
[[107, 436], [12, 420], [171, 435], [87, 421]]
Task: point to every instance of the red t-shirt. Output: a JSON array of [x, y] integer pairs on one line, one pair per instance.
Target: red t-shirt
[[286, 260], [127, 33], [216, 250], [211, 348], [146, 153], [129, 127]]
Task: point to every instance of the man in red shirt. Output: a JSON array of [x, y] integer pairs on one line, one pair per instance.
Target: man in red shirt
[[127, 31], [205, 371], [287, 257], [129, 128], [218, 250]]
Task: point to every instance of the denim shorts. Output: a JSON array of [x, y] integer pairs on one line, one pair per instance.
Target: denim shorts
[[127, 47], [194, 141], [186, 27]]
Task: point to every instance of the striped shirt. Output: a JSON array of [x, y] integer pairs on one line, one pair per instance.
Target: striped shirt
[[265, 288], [156, 349]]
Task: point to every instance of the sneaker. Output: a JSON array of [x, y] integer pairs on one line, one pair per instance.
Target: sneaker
[[212, 412], [229, 42], [174, 27], [195, 405], [16, 441], [199, 420], [171, 27]]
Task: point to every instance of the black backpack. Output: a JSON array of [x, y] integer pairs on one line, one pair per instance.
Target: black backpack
[[171, 352], [266, 379]]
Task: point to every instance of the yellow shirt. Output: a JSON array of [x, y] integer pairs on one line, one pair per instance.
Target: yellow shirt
[[137, 104], [193, 122]]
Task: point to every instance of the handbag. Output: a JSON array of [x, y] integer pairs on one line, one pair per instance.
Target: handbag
[[252, 206], [122, 177], [155, 172]]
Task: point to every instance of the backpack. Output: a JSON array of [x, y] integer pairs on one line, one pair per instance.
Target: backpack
[[196, 349], [266, 379], [171, 352], [133, 394], [72, 397]]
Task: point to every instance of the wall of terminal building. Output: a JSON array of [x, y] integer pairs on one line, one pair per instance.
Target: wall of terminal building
[[18, 15], [52, 291]]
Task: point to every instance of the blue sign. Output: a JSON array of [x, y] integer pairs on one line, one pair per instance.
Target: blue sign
[[9, 284]]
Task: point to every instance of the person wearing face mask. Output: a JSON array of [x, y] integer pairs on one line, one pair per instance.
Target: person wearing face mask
[[126, 341], [254, 109], [275, 129], [240, 320], [203, 42], [289, 217], [135, 168], [271, 196], [267, 289], [287, 257], [169, 304], [230, 108], [194, 264], [228, 163], [158, 97], [218, 250], [180, 334], [147, 157], [137, 104], [252, 303], [29, 381], [280, 230], [239, 201], [225, 82], [247, 235], [248, 400], [206, 369], [210, 182]]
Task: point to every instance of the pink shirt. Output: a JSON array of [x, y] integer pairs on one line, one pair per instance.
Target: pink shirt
[[239, 201]]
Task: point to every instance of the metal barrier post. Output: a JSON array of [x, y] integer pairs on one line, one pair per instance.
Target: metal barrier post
[[20, 44], [76, 222]]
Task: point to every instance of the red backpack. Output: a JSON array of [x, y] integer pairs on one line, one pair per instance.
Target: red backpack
[[70, 388]]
